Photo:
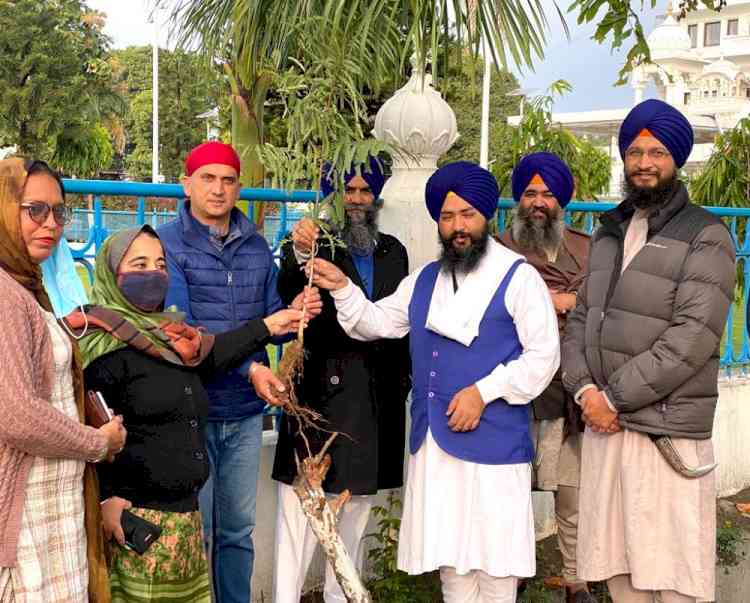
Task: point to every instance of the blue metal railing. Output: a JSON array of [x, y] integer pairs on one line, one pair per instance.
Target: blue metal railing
[[91, 227]]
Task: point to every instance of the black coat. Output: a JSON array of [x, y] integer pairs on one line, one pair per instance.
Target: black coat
[[359, 387], [164, 407]]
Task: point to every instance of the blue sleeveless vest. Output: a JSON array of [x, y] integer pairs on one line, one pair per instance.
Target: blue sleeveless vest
[[441, 367]]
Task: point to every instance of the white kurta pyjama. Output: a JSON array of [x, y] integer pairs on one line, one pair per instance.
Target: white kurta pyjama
[[459, 514]]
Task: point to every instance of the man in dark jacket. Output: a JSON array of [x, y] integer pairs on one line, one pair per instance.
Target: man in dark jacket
[[641, 356], [221, 274], [359, 387], [542, 186]]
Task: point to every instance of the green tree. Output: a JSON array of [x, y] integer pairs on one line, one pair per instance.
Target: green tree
[[257, 39], [461, 88], [54, 82], [186, 89], [589, 164], [725, 178], [325, 108], [84, 151]]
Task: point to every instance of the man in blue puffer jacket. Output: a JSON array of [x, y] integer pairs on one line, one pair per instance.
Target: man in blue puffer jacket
[[221, 274]]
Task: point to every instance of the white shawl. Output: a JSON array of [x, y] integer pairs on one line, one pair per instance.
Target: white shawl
[[457, 315]]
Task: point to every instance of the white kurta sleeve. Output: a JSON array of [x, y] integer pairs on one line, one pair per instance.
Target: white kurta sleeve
[[529, 303], [387, 318]]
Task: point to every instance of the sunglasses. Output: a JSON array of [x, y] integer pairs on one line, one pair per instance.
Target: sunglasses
[[39, 212]]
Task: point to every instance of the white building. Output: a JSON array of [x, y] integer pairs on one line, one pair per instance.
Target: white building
[[701, 65]]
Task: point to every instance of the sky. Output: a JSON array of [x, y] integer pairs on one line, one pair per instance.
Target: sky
[[590, 67]]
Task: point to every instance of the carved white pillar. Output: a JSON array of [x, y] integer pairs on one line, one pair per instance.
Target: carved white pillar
[[417, 120], [638, 82]]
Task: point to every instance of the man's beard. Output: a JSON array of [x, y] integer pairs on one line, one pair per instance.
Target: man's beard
[[537, 236], [360, 230], [648, 197], [464, 260]]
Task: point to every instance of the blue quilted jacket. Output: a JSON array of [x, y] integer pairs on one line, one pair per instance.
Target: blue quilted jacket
[[220, 290]]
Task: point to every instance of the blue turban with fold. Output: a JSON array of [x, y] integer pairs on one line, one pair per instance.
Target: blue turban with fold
[[370, 171], [664, 122], [472, 183], [551, 169]]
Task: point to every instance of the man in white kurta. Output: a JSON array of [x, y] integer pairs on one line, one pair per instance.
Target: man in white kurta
[[467, 508]]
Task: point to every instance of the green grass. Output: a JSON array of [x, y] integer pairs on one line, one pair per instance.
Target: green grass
[[729, 537]]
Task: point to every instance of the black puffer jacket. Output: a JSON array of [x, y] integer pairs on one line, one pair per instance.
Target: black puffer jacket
[[649, 337]]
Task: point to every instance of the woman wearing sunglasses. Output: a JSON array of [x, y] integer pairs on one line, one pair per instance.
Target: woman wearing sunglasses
[[51, 546], [148, 364]]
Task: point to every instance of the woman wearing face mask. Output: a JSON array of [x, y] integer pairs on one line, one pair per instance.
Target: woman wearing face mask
[[148, 366], [51, 547]]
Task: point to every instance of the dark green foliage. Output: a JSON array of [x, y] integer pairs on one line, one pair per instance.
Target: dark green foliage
[[187, 88], [55, 83], [725, 178], [389, 584], [462, 89], [728, 539], [537, 132]]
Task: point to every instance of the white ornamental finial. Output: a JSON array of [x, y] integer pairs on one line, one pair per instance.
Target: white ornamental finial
[[417, 120]]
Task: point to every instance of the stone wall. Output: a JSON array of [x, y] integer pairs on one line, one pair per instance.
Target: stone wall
[[732, 436]]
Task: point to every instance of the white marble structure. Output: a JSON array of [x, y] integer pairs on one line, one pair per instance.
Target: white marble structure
[[701, 65], [417, 120]]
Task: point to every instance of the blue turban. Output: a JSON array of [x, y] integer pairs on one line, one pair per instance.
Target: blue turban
[[371, 172], [667, 124], [551, 169], [472, 183]]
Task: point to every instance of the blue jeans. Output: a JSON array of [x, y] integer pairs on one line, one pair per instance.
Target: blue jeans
[[227, 503]]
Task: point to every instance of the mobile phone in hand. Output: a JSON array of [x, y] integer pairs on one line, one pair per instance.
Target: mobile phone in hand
[[140, 534]]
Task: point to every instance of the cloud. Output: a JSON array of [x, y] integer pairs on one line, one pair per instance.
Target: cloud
[[591, 68], [127, 21]]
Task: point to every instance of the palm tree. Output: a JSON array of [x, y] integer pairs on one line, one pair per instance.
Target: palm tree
[[725, 178], [256, 39]]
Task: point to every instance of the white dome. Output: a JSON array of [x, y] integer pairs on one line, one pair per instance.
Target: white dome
[[418, 120], [722, 67], [669, 39]]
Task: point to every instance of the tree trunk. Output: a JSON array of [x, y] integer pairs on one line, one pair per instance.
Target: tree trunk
[[323, 518], [247, 135]]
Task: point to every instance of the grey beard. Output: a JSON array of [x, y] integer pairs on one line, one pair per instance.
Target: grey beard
[[361, 236], [538, 238]]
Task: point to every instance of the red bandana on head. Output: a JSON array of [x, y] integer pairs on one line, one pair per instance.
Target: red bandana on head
[[211, 152]]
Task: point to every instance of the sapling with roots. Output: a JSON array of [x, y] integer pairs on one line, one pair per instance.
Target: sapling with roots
[[325, 114]]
